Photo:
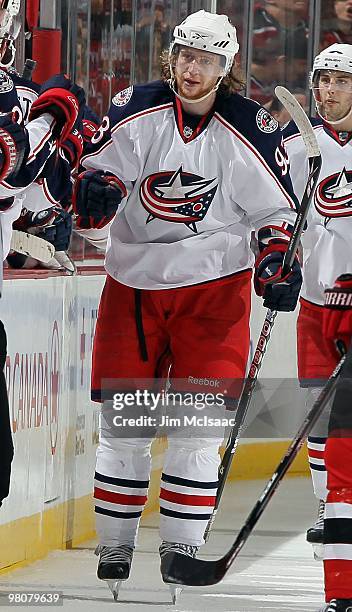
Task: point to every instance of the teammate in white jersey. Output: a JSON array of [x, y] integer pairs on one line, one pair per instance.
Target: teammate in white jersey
[[191, 168], [326, 243]]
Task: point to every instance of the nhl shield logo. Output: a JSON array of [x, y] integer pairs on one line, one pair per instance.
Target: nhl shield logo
[[123, 97], [333, 197], [265, 122], [177, 197]]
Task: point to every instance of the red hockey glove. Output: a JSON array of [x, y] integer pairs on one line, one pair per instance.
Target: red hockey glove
[[279, 292], [62, 99], [96, 198], [73, 148], [13, 145], [89, 129], [337, 314]]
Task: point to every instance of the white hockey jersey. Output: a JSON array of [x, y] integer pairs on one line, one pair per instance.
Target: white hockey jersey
[[327, 244], [193, 193]]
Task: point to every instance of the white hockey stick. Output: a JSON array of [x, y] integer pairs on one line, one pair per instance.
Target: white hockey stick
[[32, 246]]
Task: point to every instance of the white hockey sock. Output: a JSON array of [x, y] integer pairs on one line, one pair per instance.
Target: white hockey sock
[[188, 489], [121, 486], [316, 449]]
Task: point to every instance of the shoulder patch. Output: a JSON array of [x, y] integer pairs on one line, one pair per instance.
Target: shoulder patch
[[6, 83], [123, 97], [265, 122]]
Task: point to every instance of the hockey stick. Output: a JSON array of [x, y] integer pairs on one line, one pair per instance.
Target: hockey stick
[[314, 158], [179, 569], [29, 67], [32, 246]]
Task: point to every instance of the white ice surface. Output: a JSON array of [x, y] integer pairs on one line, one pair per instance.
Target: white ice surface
[[274, 572]]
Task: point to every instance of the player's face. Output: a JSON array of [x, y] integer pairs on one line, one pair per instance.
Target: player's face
[[290, 5], [196, 72], [335, 94], [343, 9]]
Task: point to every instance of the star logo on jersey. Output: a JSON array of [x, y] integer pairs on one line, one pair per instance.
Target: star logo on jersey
[[177, 197], [333, 198]]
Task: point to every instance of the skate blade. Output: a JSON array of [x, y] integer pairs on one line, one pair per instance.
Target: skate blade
[[114, 586], [318, 551], [175, 591]]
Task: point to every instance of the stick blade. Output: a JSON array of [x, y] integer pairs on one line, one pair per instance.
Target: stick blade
[[300, 118], [180, 569], [32, 246]]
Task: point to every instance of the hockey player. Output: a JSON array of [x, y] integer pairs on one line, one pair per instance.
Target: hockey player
[[337, 326], [191, 168], [326, 242]]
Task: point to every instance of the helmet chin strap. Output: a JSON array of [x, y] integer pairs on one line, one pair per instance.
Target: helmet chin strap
[[172, 82], [338, 121]]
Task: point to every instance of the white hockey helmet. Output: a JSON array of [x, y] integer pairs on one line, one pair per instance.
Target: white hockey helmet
[[10, 27], [336, 57], [208, 32]]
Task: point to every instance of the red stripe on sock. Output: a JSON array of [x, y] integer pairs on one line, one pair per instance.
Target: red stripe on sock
[[316, 453], [187, 500], [119, 498]]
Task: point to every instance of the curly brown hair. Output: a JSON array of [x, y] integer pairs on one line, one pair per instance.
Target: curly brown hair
[[233, 82]]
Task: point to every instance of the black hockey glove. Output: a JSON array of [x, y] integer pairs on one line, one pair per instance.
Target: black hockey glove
[[6, 203], [13, 146], [53, 225], [279, 292], [62, 99], [96, 198], [60, 230]]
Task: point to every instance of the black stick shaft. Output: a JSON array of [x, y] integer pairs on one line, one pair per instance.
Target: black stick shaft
[[29, 67], [251, 380], [285, 463]]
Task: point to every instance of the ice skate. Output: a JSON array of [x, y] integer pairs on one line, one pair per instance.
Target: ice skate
[[165, 549], [315, 534], [114, 565], [338, 605]]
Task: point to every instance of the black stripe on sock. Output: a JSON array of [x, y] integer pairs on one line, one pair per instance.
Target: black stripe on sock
[[185, 515], [315, 440], [318, 468], [338, 531], [195, 484], [114, 514], [122, 482]]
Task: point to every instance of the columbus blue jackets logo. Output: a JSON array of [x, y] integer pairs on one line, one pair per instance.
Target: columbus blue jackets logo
[[177, 197], [333, 197], [123, 97], [265, 122]]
